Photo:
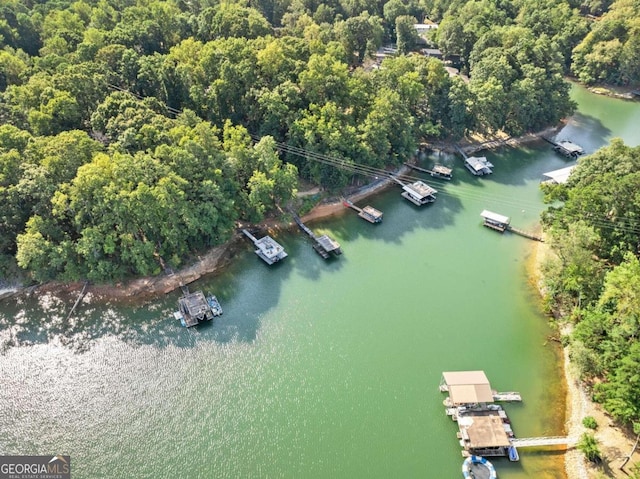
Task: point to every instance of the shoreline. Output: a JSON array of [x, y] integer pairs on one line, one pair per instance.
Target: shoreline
[[220, 256], [614, 442]]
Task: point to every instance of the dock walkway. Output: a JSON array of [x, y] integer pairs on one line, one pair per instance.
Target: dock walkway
[[368, 213], [544, 441], [323, 245], [268, 249], [438, 171]]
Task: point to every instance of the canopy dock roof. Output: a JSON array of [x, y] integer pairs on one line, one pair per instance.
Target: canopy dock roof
[[468, 387], [483, 431], [560, 176], [496, 218]]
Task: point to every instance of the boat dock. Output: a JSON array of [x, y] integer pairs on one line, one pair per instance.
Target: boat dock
[[478, 165], [566, 148], [438, 171], [501, 223], [368, 213], [484, 428], [419, 193], [268, 249], [323, 245], [194, 308]]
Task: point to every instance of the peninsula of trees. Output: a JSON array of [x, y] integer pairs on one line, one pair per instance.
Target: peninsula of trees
[[136, 132]]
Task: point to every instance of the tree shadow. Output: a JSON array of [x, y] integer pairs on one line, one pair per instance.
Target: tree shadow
[[41, 319]]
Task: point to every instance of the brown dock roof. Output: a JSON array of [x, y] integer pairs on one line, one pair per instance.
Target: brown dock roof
[[483, 431], [468, 387]]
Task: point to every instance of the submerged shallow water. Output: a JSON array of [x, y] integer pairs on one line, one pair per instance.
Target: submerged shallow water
[[317, 368]]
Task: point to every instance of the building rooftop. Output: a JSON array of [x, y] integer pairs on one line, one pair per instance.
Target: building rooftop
[[420, 189], [468, 387], [483, 431], [495, 217], [559, 176]]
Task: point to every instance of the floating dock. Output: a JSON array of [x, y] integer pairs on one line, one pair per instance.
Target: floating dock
[[419, 193], [566, 148], [195, 308], [438, 171], [368, 213], [478, 165], [323, 245], [501, 223], [267, 248], [484, 428]]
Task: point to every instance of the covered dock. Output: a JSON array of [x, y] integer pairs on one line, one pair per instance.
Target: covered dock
[[268, 249], [569, 149], [484, 434], [194, 308], [368, 213], [478, 165], [566, 147], [466, 387], [419, 193], [560, 176], [438, 171], [495, 221], [323, 245]]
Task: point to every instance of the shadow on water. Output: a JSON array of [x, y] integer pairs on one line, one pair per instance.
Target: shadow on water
[[26, 321]]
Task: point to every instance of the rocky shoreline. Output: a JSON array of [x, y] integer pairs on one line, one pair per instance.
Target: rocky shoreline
[[614, 443]]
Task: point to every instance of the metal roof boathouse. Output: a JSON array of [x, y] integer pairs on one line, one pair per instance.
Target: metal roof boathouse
[[419, 193], [495, 221], [267, 248], [478, 165]]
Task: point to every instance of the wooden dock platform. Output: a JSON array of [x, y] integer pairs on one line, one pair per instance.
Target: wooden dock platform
[[525, 234], [368, 213], [565, 147], [193, 308], [501, 223], [268, 249], [323, 245], [438, 171], [544, 441]]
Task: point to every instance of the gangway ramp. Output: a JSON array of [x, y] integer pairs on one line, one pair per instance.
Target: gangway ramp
[[544, 441]]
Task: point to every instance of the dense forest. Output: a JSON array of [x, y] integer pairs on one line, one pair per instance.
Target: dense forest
[[137, 132], [594, 278]]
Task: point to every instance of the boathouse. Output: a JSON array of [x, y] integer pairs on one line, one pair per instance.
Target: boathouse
[[478, 165], [419, 193], [440, 171], [368, 213], [466, 387], [495, 221], [484, 428], [267, 248], [483, 433], [560, 176], [568, 149]]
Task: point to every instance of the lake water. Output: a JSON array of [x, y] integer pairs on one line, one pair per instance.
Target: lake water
[[317, 368]]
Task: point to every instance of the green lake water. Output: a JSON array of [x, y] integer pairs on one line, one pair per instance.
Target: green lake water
[[317, 369]]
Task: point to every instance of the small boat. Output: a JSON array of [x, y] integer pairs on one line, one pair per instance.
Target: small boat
[[478, 467], [513, 453], [215, 306], [178, 315]]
